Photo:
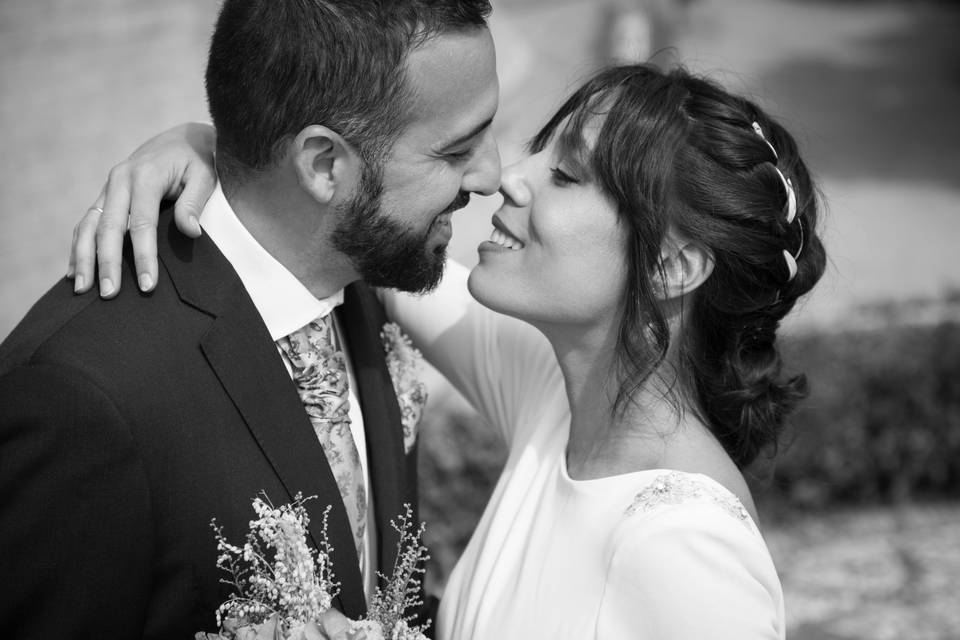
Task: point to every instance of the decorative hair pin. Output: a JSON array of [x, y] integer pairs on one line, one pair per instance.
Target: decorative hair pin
[[791, 264], [787, 184], [791, 197], [791, 208], [759, 132]]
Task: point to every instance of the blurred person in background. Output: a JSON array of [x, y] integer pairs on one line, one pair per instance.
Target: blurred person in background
[[643, 30], [620, 333]]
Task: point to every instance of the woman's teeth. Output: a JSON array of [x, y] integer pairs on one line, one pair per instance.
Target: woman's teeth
[[502, 239]]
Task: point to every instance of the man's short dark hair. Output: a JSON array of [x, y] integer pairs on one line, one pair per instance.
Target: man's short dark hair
[[277, 66]]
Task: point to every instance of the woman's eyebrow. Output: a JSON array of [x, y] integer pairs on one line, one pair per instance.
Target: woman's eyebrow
[[571, 153]]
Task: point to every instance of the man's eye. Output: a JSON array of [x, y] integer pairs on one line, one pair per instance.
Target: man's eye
[[458, 155], [561, 177]]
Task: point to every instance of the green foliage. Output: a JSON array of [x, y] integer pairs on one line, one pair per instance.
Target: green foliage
[[882, 423], [460, 460]]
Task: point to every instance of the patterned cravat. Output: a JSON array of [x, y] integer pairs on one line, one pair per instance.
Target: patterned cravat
[[320, 371]]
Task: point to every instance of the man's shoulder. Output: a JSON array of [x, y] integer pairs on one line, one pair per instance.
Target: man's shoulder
[[67, 328], [49, 316]]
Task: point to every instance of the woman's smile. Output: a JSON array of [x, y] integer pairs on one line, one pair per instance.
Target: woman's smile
[[501, 238]]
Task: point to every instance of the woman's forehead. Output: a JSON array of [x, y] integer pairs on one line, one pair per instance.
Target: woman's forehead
[[579, 131]]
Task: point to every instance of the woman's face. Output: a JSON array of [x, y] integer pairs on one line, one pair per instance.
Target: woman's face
[[557, 254]]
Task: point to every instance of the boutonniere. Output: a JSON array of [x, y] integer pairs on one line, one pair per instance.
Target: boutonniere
[[282, 587], [403, 363]]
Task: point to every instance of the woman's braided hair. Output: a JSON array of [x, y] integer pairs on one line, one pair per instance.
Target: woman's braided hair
[[677, 151]]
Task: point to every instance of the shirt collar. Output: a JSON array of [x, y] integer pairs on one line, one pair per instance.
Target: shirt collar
[[282, 301]]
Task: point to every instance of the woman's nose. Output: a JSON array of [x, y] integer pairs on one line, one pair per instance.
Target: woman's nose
[[513, 185]]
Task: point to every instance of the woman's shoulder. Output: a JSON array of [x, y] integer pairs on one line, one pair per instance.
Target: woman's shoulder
[[685, 543], [691, 519], [673, 493], [678, 512]]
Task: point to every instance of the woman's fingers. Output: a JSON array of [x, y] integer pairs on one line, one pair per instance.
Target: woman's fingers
[[83, 251], [144, 215], [72, 262], [110, 229], [96, 207], [198, 183], [177, 164], [336, 626]]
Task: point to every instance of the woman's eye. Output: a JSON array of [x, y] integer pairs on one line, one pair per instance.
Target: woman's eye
[[561, 177]]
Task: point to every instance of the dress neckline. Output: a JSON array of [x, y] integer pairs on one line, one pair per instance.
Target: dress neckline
[[592, 482], [659, 485], [649, 476]]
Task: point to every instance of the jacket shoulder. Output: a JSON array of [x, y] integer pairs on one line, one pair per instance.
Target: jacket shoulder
[[47, 317]]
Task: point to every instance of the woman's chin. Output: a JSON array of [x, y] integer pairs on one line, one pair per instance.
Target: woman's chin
[[490, 289]]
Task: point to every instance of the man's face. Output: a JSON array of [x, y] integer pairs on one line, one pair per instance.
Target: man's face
[[397, 227]]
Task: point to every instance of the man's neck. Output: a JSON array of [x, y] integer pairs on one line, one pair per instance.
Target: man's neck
[[293, 229]]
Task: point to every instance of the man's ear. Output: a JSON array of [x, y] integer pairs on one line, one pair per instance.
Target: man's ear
[[684, 266], [325, 163]]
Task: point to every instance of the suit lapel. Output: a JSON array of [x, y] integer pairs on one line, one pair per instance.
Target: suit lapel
[[362, 320], [245, 360]]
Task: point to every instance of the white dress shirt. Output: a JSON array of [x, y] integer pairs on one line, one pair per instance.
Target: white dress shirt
[[285, 306]]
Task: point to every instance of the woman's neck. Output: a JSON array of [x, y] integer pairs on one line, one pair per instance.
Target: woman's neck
[[587, 358], [655, 429], [651, 430]]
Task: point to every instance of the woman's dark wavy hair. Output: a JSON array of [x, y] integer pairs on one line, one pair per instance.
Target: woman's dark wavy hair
[[678, 151], [277, 66]]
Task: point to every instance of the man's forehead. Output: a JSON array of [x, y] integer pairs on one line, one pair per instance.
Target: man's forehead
[[454, 85]]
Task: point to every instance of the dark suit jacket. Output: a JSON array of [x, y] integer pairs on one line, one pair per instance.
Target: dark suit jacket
[[125, 426]]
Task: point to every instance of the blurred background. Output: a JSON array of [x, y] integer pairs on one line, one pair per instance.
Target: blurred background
[[861, 508]]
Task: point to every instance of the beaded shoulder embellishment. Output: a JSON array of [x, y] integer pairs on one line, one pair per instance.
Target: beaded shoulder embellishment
[[675, 487]]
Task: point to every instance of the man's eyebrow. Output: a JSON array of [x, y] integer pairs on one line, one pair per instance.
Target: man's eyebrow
[[469, 135]]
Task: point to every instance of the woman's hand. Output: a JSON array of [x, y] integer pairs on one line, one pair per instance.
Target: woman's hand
[[333, 625], [175, 164]]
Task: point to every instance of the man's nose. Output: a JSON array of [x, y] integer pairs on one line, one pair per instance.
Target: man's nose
[[483, 175]]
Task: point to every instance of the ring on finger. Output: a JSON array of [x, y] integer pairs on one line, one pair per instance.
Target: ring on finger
[[98, 209]]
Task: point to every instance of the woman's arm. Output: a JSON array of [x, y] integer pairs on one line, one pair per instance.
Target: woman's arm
[[500, 364], [175, 164]]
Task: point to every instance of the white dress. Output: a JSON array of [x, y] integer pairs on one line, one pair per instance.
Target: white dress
[[654, 554]]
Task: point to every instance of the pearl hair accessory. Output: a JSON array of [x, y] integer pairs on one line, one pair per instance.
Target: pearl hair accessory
[[791, 208], [791, 264]]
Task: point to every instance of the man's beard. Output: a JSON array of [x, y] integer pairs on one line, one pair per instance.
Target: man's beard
[[384, 252]]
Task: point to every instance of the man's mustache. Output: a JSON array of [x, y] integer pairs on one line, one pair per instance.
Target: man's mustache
[[462, 200]]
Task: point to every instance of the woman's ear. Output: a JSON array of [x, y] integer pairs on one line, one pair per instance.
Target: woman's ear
[[684, 266], [325, 163]]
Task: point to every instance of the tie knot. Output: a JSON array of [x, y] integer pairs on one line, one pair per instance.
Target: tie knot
[[313, 347]]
